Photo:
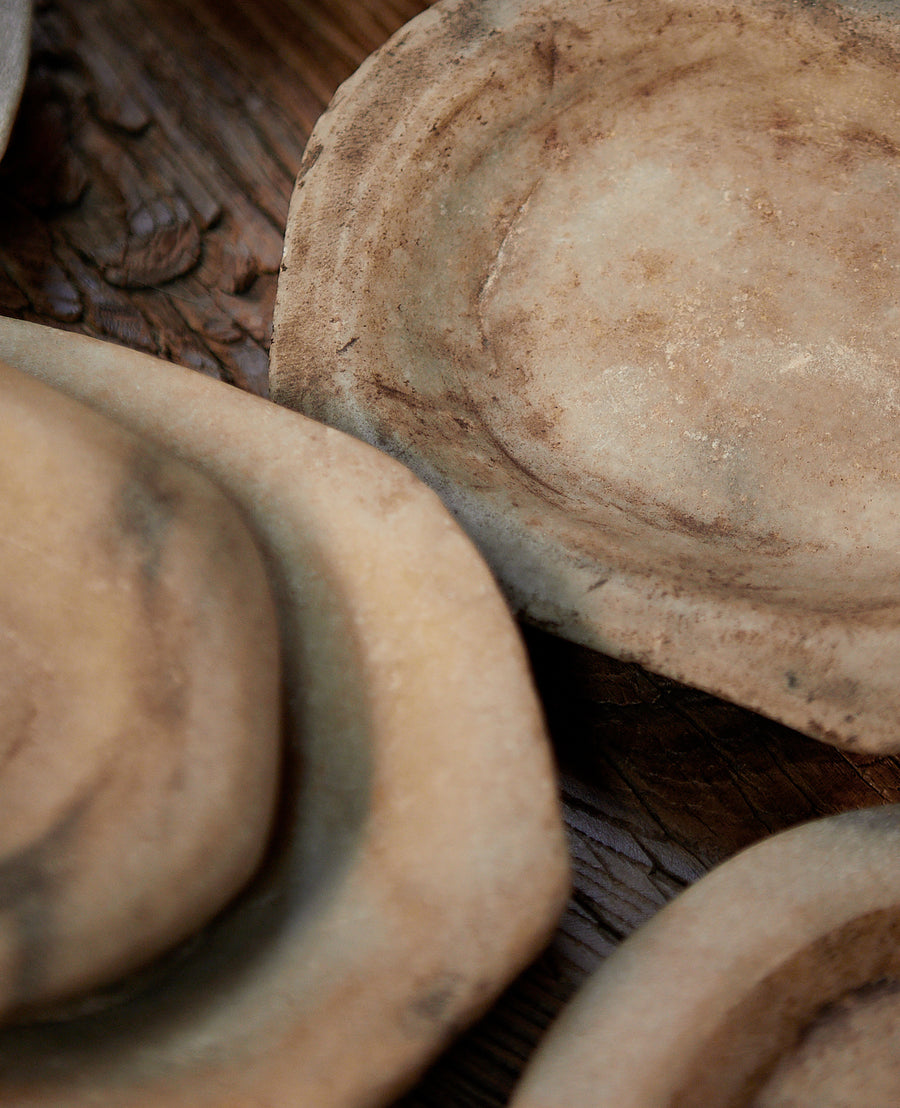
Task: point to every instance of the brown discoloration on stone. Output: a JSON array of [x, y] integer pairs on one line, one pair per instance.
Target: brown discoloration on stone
[[843, 1056], [429, 1007], [548, 55], [869, 141], [783, 1008], [145, 510], [666, 80]]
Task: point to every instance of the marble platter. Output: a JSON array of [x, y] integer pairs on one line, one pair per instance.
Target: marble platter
[[620, 280]]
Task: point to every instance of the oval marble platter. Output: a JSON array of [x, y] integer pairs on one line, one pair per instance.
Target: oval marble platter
[[774, 982], [419, 860], [15, 36], [620, 280]]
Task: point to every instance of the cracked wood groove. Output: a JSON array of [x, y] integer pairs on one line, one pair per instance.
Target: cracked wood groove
[[142, 201]]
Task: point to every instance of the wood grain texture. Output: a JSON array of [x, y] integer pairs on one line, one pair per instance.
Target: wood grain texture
[[143, 200]]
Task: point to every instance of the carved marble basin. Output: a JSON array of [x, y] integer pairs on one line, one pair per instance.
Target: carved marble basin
[[418, 858], [774, 982], [15, 33], [621, 281]]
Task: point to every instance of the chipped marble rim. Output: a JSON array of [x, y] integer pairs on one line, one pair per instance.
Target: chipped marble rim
[[15, 36], [428, 188], [419, 797], [754, 986]]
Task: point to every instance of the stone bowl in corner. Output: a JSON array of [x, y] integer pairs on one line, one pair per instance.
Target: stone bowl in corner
[[774, 982]]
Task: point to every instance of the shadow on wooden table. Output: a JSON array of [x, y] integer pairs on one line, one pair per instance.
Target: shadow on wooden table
[[659, 782]]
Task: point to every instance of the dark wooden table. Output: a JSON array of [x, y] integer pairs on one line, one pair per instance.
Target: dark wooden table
[[143, 201]]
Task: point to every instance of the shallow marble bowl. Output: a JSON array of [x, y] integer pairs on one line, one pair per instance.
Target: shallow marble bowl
[[774, 982], [621, 281], [419, 860], [15, 31]]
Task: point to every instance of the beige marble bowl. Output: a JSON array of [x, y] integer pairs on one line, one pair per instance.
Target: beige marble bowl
[[774, 982], [419, 859], [620, 280], [15, 32]]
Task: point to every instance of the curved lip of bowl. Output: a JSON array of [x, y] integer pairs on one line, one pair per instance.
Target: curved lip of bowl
[[777, 626], [700, 1005], [15, 33], [420, 798]]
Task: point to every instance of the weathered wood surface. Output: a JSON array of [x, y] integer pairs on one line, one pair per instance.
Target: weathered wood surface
[[143, 200]]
